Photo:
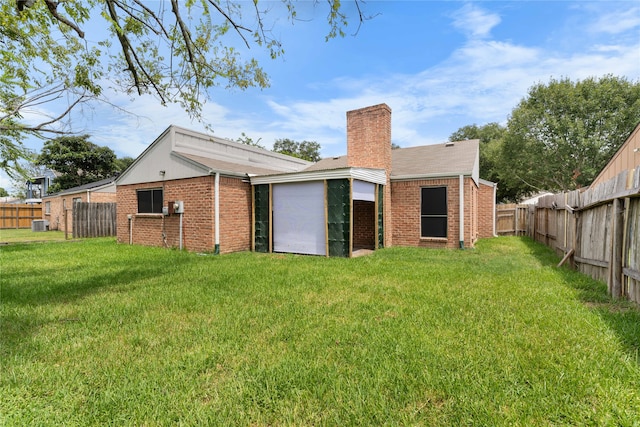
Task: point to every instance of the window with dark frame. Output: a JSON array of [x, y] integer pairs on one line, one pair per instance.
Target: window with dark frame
[[150, 201], [433, 212]]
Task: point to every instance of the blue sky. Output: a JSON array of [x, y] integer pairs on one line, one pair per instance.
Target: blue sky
[[439, 65]]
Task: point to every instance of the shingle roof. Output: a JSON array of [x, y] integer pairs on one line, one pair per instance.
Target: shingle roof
[[85, 187], [450, 158], [222, 165]]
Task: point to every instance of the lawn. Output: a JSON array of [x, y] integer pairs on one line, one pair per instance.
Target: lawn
[[14, 235], [96, 333]]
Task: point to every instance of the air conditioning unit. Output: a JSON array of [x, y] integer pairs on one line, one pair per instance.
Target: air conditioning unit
[[39, 225]]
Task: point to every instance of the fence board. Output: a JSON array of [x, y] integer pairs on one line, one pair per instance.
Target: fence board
[[586, 223], [19, 215], [94, 219]]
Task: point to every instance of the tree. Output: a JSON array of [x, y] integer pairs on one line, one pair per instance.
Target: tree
[[54, 54], [247, 140], [491, 136], [563, 133], [3, 192], [306, 150], [77, 160], [123, 163]]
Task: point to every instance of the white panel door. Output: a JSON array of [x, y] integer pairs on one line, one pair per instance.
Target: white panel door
[[298, 218]]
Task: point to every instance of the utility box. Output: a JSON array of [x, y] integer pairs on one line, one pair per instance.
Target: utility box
[[39, 225], [178, 207]]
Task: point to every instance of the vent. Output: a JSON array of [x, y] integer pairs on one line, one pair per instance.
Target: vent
[[449, 144], [39, 225]]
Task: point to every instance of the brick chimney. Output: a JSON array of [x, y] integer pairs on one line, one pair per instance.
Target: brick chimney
[[369, 137], [369, 146]]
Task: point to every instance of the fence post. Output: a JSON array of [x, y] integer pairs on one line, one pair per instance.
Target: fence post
[[615, 263]]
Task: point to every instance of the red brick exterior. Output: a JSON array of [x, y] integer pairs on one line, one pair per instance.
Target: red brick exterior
[[364, 219], [369, 146], [198, 225], [486, 211], [405, 199], [53, 207]]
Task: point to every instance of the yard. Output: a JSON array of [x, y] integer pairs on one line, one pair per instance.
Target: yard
[[96, 333]]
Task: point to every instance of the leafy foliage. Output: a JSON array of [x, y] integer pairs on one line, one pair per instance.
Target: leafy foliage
[[77, 160], [3, 192], [563, 133], [306, 150], [247, 140], [53, 53]]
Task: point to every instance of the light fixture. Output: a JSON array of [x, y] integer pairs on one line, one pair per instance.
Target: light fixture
[[162, 173]]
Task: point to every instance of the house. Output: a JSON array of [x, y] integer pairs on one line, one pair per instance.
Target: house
[[58, 207], [208, 194]]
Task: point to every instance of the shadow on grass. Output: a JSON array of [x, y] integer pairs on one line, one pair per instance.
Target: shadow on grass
[[622, 316], [23, 292]]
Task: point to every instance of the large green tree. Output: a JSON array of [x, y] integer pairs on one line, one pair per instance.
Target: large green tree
[[563, 133], [491, 136], [56, 56], [77, 161], [306, 150]]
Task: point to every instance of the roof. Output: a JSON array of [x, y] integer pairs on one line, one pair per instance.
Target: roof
[[226, 166], [446, 159], [85, 187], [180, 153]]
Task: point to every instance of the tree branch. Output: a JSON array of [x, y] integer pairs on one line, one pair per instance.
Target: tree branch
[[53, 10]]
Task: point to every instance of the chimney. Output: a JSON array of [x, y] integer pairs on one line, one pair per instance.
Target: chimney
[[369, 138], [369, 146]]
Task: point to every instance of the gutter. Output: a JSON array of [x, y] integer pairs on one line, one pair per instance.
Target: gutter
[[216, 210]]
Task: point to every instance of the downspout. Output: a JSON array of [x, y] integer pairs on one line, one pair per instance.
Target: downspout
[[130, 218], [495, 194], [461, 190], [216, 208], [180, 237]]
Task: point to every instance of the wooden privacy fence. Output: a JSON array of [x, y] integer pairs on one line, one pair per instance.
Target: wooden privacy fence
[[597, 231], [94, 219], [512, 219], [19, 215]]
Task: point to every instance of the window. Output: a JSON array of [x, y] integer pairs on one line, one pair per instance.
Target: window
[[150, 201], [433, 212], [77, 200], [47, 208]]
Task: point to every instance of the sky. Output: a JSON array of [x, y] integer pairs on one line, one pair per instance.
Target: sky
[[439, 65]]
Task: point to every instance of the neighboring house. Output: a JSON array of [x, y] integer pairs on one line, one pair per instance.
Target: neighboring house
[[236, 197], [57, 208], [627, 158]]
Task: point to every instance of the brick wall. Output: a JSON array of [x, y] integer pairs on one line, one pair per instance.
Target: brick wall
[[364, 221], [58, 204], [235, 215], [486, 211], [198, 220], [405, 199], [369, 146]]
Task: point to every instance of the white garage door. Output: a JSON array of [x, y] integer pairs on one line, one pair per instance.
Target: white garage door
[[298, 218]]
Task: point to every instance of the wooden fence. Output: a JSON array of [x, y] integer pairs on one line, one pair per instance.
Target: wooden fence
[[19, 215], [94, 219], [512, 219], [597, 231]]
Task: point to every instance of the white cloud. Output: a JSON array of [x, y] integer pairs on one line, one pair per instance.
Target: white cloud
[[617, 22], [474, 21]]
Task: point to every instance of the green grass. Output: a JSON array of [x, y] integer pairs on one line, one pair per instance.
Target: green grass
[[23, 235], [95, 333]]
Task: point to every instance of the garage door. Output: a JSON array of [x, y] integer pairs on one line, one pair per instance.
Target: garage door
[[298, 218]]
